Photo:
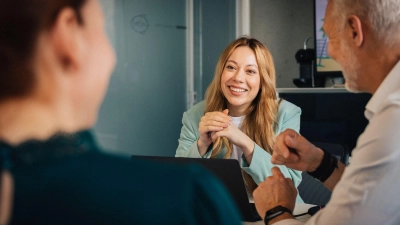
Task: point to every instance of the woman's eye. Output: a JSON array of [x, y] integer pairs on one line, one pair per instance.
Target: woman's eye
[[251, 71], [230, 67]]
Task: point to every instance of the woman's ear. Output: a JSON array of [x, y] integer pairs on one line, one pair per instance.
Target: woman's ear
[[67, 39]]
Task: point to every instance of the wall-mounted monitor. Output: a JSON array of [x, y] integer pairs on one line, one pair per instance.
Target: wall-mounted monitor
[[324, 64]]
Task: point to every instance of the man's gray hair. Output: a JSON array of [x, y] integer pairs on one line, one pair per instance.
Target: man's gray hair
[[384, 16]]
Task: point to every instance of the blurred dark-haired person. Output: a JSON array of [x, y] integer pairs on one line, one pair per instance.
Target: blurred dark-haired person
[[55, 65]]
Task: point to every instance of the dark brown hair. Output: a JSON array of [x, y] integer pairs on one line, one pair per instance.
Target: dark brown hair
[[21, 22]]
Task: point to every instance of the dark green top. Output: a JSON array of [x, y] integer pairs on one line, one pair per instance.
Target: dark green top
[[67, 180]]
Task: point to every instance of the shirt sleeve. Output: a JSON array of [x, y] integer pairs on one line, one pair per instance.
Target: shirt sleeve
[[260, 167], [188, 140], [289, 118]]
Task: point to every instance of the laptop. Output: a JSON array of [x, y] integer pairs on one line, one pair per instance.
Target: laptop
[[228, 171]]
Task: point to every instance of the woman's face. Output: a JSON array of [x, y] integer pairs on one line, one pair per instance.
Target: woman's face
[[240, 80], [97, 63]]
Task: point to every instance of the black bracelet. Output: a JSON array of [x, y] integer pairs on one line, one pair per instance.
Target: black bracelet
[[274, 212], [326, 168]]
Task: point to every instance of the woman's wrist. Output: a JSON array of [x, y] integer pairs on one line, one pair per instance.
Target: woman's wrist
[[202, 147], [248, 151], [247, 147]]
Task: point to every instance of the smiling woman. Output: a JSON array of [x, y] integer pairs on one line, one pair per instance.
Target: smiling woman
[[241, 114], [240, 81]]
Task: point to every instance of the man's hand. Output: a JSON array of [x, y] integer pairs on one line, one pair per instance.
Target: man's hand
[[294, 151], [275, 190]]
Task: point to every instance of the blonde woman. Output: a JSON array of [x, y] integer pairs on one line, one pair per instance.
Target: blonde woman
[[241, 114]]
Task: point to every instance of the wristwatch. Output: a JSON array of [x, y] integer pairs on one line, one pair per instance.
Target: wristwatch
[[274, 212]]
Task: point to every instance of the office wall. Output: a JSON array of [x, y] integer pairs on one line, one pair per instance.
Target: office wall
[[214, 30], [146, 98], [283, 25], [142, 111]]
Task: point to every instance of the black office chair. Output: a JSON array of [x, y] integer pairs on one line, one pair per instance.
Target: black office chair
[[311, 190]]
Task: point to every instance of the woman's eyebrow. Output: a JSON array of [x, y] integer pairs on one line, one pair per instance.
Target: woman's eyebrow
[[232, 61], [255, 65]]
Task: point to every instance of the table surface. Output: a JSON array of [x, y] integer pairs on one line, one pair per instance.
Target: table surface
[[298, 209]]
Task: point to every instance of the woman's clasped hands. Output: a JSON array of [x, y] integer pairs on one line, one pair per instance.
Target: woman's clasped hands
[[219, 124]]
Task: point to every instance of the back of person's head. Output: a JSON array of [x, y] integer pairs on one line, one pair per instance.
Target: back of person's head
[[21, 22], [382, 15]]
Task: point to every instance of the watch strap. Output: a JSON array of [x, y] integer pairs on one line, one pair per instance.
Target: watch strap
[[274, 212]]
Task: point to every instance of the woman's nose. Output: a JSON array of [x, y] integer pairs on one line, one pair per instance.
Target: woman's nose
[[239, 76]]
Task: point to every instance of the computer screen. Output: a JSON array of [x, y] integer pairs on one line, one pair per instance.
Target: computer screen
[[324, 64]]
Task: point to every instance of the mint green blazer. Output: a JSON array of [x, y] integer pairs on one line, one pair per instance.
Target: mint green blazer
[[288, 116]]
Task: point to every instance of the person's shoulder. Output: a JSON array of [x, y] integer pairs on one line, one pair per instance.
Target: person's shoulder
[[185, 176], [149, 174], [198, 107], [286, 106], [186, 184], [154, 168], [145, 171], [136, 183], [197, 111]]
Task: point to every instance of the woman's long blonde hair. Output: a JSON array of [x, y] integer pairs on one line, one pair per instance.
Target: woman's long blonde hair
[[260, 121], [260, 118]]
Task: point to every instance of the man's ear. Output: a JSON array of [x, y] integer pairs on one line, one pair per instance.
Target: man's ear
[[356, 29], [67, 39]]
